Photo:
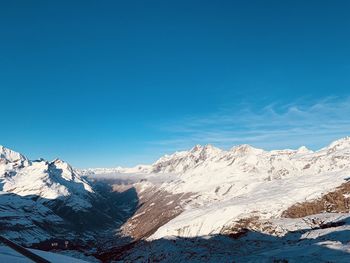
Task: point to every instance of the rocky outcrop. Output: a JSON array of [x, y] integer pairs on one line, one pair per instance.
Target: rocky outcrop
[[156, 208], [334, 201]]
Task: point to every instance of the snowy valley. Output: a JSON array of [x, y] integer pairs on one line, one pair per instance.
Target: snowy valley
[[205, 204]]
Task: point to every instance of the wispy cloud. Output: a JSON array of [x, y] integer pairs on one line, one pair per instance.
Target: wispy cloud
[[274, 126]]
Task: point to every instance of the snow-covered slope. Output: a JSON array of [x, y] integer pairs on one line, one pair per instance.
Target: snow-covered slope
[[9, 255], [318, 238], [180, 162], [26, 221], [42, 200], [10, 156], [42, 179], [244, 181], [202, 192]]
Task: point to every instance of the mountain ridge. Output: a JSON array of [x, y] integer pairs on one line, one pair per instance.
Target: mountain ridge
[[200, 153], [204, 191]]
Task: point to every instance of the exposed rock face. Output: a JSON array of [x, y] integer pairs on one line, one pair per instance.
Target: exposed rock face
[[320, 238], [156, 208], [335, 201], [241, 227]]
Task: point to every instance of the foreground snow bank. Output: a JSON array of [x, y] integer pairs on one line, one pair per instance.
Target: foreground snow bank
[[9, 255]]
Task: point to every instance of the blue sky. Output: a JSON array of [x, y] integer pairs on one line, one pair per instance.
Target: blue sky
[[106, 83]]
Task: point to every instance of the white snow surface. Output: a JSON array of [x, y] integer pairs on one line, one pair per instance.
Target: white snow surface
[[20, 216], [225, 185], [47, 180], [11, 156], [9, 255], [243, 181], [307, 243]]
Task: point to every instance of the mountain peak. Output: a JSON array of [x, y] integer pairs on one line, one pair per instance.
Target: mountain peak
[[184, 160], [196, 148], [245, 149], [206, 148], [340, 144], [304, 149], [11, 155], [48, 180]]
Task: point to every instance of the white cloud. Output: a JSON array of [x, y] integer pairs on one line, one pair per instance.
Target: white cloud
[[274, 126]]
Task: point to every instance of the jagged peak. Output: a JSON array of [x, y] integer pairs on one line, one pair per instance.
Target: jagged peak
[[340, 144], [245, 148], [194, 151], [342, 140], [304, 149], [208, 148], [196, 148], [10, 155], [58, 161]]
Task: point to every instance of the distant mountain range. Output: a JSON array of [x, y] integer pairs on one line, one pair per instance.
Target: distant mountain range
[[191, 196]]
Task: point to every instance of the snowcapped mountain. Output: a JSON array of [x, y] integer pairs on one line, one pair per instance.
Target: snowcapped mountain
[[175, 163], [204, 193], [33, 195], [42, 200], [245, 182], [7, 155], [180, 162], [46, 180], [222, 187], [116, 170]]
